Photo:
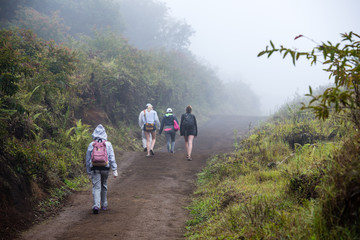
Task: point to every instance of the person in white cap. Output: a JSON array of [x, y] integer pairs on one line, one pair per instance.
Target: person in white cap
[[167, 125], [141, 125]]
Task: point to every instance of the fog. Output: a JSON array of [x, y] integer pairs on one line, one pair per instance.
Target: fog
[[225, 35], [230, 34]]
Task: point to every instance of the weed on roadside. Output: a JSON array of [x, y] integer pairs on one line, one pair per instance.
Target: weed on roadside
[[281, 182]]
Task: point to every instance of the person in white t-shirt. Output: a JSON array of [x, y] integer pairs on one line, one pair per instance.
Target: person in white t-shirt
[[151, 121], [141, 125]]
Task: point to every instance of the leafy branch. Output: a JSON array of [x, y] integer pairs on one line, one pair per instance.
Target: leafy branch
[[342, 63]]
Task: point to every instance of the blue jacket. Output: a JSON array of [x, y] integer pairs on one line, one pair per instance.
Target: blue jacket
[[168, 120]]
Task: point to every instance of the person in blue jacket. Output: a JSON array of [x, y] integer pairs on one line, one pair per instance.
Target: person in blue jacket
[[99, 175], [167, 125]]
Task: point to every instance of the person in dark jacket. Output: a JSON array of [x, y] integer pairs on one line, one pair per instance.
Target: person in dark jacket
[[167, 125], [188, 129]]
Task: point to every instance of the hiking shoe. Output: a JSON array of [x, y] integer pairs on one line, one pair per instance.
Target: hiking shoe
[[148, 155], [152, 152], [145, 149], [95, 210], [189, 159], [104, 208]]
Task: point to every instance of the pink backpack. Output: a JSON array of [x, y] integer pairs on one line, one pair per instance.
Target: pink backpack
[[176, 126], [99, 157]]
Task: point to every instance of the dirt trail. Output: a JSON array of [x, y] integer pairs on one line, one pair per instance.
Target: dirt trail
[[147, 200]]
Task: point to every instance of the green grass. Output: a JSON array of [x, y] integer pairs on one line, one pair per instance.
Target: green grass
[[288, 179]]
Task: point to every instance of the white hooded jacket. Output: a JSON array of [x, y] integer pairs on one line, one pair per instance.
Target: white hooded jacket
[[100, 133]]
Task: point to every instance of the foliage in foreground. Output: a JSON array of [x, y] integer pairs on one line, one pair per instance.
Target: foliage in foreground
[[342, 62], [42, 143], [294, 177]]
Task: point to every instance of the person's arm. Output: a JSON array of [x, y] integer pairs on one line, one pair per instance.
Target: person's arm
[[157, 120], [196, 128], [88, 158], [181, 125], [162, 125], [141, 124], [111, 158]]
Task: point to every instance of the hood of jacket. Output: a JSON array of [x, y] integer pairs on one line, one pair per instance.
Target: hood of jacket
[[99, 133]]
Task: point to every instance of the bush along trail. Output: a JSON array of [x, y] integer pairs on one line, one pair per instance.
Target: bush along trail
[[148, 199], [297, 176], [293, 177]]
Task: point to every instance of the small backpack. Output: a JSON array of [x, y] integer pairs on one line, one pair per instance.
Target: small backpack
[[99, 157], [188, 121], [176, 126]]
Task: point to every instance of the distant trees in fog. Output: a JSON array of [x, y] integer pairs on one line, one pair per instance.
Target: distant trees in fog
[[240, 99], [135, 49], [148, 25], [145, 23]]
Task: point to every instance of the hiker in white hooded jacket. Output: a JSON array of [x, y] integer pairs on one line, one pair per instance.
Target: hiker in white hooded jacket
[[100, 174], [150, 117], [141, 125]]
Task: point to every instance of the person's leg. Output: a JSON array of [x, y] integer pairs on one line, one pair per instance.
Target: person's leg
[[150, 139], [143, 138], [168, 140], [172, 135], [153, 141], [190, 145], [104, 178], [96, 181], [186, 145], [147, 134]]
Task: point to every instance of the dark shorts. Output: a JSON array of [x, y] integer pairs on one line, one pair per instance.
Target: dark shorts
[[190, 131]]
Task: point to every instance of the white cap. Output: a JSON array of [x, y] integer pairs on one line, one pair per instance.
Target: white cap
[[148, 104], [169, 110]]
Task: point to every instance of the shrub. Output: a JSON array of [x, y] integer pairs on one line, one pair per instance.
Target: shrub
[[338, 215]]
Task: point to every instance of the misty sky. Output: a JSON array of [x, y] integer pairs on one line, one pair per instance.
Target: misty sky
[[230, 34]]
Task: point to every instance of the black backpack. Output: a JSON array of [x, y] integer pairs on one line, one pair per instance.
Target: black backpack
[[188, 121]]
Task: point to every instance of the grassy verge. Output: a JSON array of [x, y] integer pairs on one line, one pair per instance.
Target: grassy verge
[[293, 177]]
